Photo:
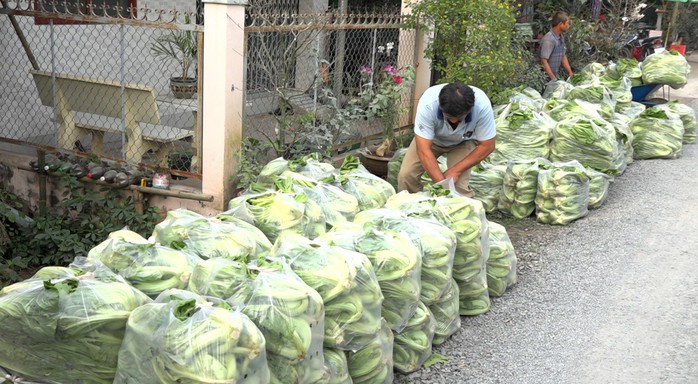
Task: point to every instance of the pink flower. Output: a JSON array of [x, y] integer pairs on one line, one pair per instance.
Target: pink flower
[[397, 79], [390, 70], [368, 71]]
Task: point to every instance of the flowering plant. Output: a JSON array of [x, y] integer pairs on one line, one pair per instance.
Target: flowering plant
[[380, 97]]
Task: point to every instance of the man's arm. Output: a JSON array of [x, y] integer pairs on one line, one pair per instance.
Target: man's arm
[[566, 65], [427, 158], [547, 69], [475, 157]]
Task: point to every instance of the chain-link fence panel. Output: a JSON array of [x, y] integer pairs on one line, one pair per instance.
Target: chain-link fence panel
[[313, 78], [109, 78]]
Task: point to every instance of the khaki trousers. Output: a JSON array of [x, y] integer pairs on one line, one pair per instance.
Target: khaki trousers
[[411, 170]]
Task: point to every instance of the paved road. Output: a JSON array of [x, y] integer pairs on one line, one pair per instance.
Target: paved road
[[612, 298]]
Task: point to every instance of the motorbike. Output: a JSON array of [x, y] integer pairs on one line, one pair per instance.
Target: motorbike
[[642, 45]]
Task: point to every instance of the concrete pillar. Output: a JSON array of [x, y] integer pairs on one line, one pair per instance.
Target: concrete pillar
[[223, 96], [415, 41]]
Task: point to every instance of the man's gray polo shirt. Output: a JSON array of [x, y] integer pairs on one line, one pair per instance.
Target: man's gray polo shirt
[[552, 48]]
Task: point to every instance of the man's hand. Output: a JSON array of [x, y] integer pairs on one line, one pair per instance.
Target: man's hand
[[427, 158]]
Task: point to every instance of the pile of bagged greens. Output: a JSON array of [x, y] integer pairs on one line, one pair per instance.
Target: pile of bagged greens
[[317, 274], [313, 275]]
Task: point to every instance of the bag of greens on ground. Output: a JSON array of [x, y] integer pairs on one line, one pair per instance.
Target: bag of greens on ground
[[658, 134], [346, 282], [501, 265], [336, 366], [486, 181], [67, 329], [373, 364], [394, 166], [528, 98], [592, 142], [632, 109], [620, 88], [412, 345], [291, 316], [396, 262], [629, 68], [688, 117], [337, 205], [467, 219], [522, 133], [595, 93], [274, 212], [519, 187], [621, 123], [436, 242], [557, 90], [563, 193], [309, 165], [370, 190], [589, 73], [220, 236], [222, 278], [446, 314], [150, 267], [561, 110], [599, 183], [191, 339], [667, 67]]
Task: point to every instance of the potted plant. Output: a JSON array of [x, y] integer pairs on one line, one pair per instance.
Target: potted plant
[[181, 47], [381, 100]]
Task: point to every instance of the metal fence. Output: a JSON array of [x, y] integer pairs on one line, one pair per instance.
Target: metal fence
[[305, 70], [81, 75]]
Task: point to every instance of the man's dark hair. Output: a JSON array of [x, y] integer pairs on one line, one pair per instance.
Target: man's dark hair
[[559, 17], [456, 99]]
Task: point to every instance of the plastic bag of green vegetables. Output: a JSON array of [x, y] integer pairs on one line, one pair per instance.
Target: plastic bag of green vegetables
[[621, 124], [522, 133], [274, 212], [632, 109], [658, 134], [396, 262], [67, 329], [412, 345], [563, 109], [370, 190], [563, 193], [486, 181], [221, 236], [394, 165], [337, 205], [588, 73], [519, 187], [688, 117], [336, 366], [308, 165], [528, 98], [592, 142], [467, 219], [599, 183], [557, 90], [446, 314], [191, 339], [628, 68], [291, 315], [436, 242], [346, 282], [668, 67], [150, 267], [373, 364], [620, 88], [595, 93], [222, 278], [501, 265]]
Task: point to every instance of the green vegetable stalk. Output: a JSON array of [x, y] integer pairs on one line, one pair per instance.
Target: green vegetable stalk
[[658, 133], [563, 193], [336, 365], [222, 278]]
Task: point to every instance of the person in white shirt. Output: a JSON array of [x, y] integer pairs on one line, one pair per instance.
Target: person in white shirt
[[453, 119]]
